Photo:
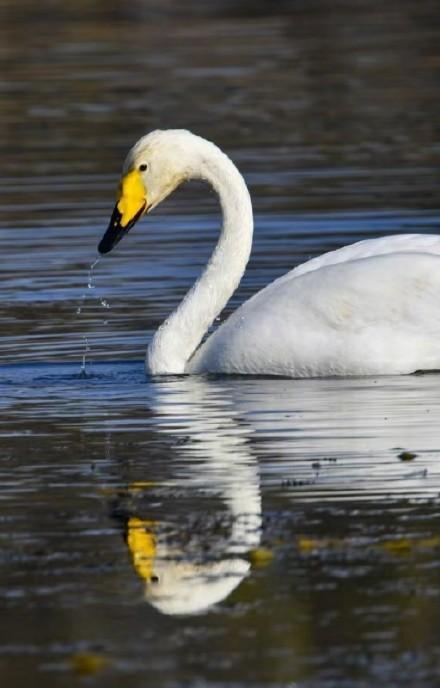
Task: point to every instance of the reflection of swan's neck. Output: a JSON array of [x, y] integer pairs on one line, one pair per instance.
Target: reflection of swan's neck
[[245, 506], [178, 337]]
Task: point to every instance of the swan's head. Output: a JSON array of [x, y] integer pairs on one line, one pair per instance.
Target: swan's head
[[154, 167]]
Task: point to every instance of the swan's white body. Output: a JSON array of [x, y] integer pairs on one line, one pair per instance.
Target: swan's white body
[[369, 308]]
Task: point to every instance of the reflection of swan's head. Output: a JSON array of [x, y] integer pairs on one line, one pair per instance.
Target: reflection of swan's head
[[183, 587], [154, 167], [175, 584]]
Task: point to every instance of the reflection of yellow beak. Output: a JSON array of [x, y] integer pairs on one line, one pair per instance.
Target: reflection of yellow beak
[[132, 198], [142, 545]]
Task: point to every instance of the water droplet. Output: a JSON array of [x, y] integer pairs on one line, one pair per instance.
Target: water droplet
[[104, 303], [90, 284]]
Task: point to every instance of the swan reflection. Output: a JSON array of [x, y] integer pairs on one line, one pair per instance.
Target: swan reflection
[[314, 440], [187, 570]]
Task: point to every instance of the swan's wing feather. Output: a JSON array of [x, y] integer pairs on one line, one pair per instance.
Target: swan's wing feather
[[398, 243], [379, 314]]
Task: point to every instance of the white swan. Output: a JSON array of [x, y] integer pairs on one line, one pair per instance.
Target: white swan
[[369, 308]]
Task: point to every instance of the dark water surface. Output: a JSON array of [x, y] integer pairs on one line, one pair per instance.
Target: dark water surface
[[183, 533]]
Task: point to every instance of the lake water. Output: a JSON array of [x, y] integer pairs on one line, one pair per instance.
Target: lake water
[[212, 532]]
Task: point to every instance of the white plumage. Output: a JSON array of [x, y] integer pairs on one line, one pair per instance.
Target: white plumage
[[375, 315], [369, 308]]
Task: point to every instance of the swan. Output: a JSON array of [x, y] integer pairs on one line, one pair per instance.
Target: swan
[[370, 308]]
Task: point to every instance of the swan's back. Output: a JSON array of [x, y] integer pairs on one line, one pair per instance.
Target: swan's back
[[369, 308], [399, 243]]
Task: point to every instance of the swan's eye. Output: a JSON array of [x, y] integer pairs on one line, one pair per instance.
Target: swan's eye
[[154, 579], [143, 167]]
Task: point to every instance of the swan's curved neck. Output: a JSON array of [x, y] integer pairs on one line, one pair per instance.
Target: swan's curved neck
[[179, 336]]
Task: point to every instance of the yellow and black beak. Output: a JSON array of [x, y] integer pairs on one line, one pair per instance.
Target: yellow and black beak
[[131, 205]]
